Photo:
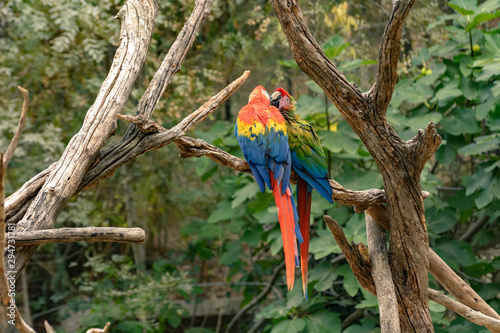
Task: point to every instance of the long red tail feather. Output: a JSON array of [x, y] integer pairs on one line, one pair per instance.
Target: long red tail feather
[[304, 197], [287, 225]]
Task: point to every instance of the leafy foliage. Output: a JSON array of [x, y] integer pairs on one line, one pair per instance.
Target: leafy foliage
[[207, 224]]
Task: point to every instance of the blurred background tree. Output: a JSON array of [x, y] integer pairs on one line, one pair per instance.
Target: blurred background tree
[[212, 236]]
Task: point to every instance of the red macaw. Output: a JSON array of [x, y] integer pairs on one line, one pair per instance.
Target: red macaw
[[261, 133], [308, 161]]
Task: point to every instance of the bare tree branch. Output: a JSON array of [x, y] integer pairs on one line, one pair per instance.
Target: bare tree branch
[[383, 88], [22, 120], [363, 271], [474, 316], [100, 122], [7, 273], [172, 62], [99, 330], [442, 272], [88, 234], [395, 158], [457, 287], [386, 295], [474, 228], [311, 58], [356, 254]]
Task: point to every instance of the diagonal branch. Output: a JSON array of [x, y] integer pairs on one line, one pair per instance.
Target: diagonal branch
[[442, 272], [312, 60], [474, 316], [361, 266], [99, 124], [383, 88], [172, 62]]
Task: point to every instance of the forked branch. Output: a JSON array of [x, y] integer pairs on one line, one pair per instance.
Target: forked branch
[[359, 259]]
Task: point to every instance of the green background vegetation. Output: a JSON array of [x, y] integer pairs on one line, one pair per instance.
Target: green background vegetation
[[211, 233]]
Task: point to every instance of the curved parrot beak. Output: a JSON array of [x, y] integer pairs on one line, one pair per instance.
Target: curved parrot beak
[[275, 99]]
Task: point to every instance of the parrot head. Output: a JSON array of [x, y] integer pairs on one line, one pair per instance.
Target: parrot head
[[283, 100], [259, 95]]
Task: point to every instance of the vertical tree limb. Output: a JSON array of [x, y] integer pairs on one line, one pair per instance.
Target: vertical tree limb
[[7, 272], [386, 295]]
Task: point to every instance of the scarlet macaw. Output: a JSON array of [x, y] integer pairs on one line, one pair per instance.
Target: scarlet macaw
[[308, 161], [261, 133]]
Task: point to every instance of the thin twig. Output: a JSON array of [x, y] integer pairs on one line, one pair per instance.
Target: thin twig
[[256, 300], [22, 120], [474, 228]]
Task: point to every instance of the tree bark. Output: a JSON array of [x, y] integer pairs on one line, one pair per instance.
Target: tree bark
[[99, 124], [400, 162]]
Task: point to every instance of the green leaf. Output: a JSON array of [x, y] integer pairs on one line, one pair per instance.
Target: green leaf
[[351, 285], [324, 273], [288, 63], [465, 7], [456, 253], [334, 46], [323, 245], [350, 65], [276, 309], [482, 145], [323, 322], [266, 216], [489, 291], [421, 121], [314, 87], [369, 302], [289, 326], [466, 65], [495, 90], [490, 69], [483, 109], [223, 212], [231, 254], [460, 10], [308, 105], [481, 18], [276, 241], [440, 221], [480, 179], [446, 154], [252, 237], [460, 121], [484, 199], [246, 192], [449, 90]]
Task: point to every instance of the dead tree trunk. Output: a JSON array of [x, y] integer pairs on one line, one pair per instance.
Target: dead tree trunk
[[400, 162]]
